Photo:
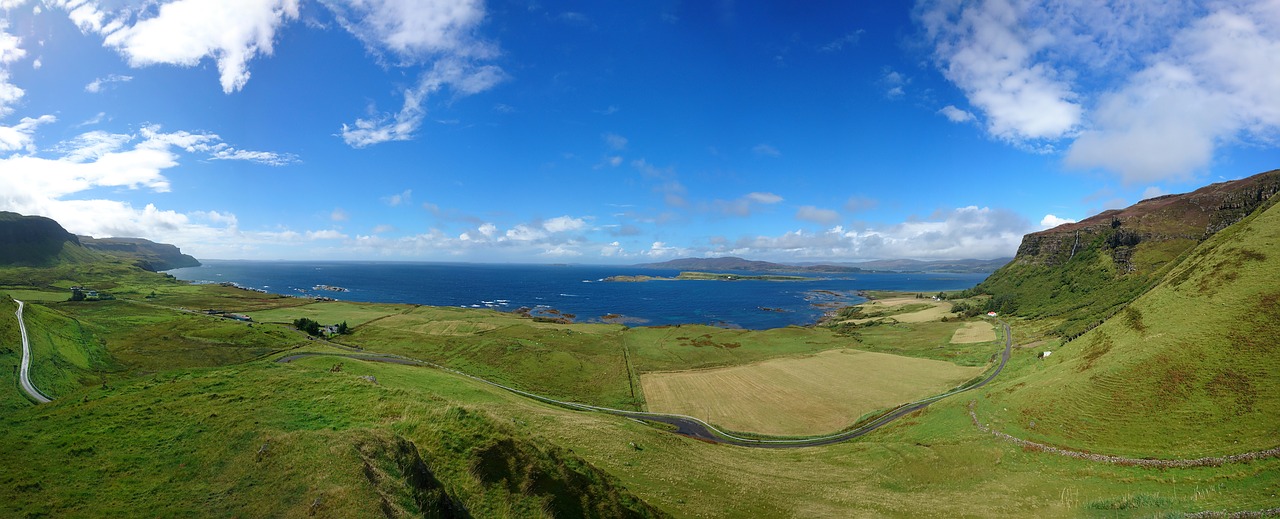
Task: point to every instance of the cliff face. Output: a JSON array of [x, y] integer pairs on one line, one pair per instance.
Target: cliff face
[[1190, 216], [36, 241], [146, 254], [1083, 272], [31, 240]]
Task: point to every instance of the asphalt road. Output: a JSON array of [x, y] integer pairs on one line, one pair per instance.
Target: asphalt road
[[693, 427], [24, 372]]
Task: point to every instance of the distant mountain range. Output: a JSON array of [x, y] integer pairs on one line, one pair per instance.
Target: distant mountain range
[[901, 265]]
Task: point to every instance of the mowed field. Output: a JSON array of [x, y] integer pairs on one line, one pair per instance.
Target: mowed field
[[903, 310], [809, 395], [977, 331]]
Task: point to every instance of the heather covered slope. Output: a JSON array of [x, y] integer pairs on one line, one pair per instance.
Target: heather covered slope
[[1081, 273], [1188, 369]]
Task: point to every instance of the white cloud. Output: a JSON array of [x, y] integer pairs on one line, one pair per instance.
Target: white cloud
[[1001, 62], [415, 29], [859, 203], [1050, 221], [383, 228], [10, 51], [763, 198], [1146, 90], [96, 85], [339, 215], [766, 150], [184, 32], [564, 224], [96, 160], [817, 215], [956, 115], [744, 206], [21, 136], [399, 198], [327, 234], [1152, 192], [462, 77], [223, 151], [1217, 81], [966, 232], [615, 141]]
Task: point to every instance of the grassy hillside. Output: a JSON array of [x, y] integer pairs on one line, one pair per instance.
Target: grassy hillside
[[1188, 369], [1082, 273], [292, 440], [187, 442]]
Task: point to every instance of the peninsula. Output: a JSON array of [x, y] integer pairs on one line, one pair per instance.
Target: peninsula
[[708, 276]]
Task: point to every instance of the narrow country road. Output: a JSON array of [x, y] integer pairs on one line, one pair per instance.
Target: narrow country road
[[696, 428], [24, 372]]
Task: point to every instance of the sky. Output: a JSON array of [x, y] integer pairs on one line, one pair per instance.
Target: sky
[[613, 132]]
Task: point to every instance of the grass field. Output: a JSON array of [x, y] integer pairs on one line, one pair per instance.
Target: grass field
[[331, 312], [976, 331], [901, 309], [817, 394], [185, 443]]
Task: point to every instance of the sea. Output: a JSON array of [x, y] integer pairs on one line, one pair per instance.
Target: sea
[[576, 290]]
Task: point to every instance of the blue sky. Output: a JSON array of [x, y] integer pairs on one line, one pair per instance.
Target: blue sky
[[622, 132]]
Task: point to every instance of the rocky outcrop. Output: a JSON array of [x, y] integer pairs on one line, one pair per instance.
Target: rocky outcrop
[[1189, 216]]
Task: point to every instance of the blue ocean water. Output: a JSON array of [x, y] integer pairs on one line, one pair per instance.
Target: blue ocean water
[[574, 289]]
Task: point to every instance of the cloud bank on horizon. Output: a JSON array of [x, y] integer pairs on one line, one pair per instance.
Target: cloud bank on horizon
[[511, 131]]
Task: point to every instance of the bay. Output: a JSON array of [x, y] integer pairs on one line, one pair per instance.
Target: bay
[[575, 289]]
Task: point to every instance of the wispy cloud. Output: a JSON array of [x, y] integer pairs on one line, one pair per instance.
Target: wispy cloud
[[614, 141], [744, 205], [955, 115], [462, 77], [817, 215], [96, 85], [766, 150], [403, 197], [847, 40]]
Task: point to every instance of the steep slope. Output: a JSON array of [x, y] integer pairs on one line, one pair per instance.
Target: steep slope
[[1083, 272], [36, 241], [1187, 369], [146, 254]]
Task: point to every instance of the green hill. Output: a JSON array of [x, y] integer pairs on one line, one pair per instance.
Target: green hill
[[146, 254], [1187, 369], [1081, 273], [36, 241]]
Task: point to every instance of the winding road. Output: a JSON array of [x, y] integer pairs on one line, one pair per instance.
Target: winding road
[[694, 427], [24, 372]]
